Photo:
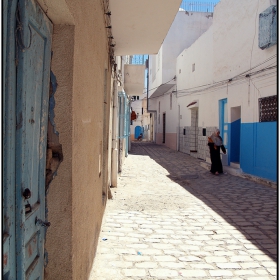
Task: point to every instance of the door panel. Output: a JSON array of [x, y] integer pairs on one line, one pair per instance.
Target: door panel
[[33, 75], [223, 121], [9, 97]]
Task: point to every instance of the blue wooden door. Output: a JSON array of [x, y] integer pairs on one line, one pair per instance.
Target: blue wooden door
[[9, 96], [223, 121], [137, 131], [33, 37]]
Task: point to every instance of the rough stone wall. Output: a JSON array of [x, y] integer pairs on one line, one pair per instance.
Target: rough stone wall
[[59, 197], [75, 200]]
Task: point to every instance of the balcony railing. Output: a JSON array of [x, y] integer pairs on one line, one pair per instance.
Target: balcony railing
[[198, 6]]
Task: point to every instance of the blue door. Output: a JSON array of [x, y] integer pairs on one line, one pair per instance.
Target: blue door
[[235, 134], [223, 121], [137, 131], [9, 94], [28, 137]]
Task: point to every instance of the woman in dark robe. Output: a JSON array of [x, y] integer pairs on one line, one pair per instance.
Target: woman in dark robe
[[215, 143]]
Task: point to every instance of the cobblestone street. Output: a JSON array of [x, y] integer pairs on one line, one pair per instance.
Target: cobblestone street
[[172, 219]]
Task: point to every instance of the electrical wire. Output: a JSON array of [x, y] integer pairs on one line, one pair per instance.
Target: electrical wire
[[222, 84], [160, 85], [227, 80], [274, 56]]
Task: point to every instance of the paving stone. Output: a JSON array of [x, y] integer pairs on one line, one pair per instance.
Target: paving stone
[[163, 246], [146, 265], [136, 258], [216, 259], [261, 272], [163, 272], [162, 225], [228, 265], [120, 264], [220, 273], [272, 271], [243, 272], [134, 272], [259, 278], [202, 266], [190, 259], [192, 273], [241, 259]]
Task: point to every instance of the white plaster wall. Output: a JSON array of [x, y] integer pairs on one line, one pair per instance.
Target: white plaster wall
[[134, 79], [171, 114], [218, 57], [199, 53], [146, 120], [153, 103], [236, 25], [185, 29], [137, 107], [236, 41], [155, 69]]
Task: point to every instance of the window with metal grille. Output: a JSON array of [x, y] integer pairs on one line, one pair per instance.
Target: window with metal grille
[[268, 109]]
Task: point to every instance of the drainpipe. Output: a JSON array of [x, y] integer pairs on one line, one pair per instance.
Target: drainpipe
[[114, 175], [150, 111]]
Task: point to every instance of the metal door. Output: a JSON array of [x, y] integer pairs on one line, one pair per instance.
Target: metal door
[[33, 37]]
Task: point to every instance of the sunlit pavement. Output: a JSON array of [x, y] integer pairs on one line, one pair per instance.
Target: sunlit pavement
[[172, 219]]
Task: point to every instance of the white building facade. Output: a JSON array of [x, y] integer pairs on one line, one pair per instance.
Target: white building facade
[[227, 79], [185, 29], [143, 122]]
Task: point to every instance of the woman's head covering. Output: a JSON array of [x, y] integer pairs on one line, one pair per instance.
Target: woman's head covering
[[217, 140]]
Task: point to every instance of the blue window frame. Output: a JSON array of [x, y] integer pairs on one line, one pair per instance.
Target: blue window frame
[[223, 120]]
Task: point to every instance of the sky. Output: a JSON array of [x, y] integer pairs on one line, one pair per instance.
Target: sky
[[199, 6]]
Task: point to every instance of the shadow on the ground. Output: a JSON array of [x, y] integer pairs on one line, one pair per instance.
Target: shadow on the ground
[[248, 206]]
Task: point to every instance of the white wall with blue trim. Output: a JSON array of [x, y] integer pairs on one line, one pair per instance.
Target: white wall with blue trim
[[227, 63]]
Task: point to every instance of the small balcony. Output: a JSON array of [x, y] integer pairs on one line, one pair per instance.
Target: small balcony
[[140, 26], [134, 75]]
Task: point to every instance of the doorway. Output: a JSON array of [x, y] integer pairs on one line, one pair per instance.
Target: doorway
[[235, 135], [163, 127], [194, 129], [28, 43]]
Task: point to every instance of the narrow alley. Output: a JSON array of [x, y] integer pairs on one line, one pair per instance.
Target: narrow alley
[[172, 219]]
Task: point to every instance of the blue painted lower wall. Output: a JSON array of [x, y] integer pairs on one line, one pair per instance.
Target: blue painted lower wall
[[258, 149]]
